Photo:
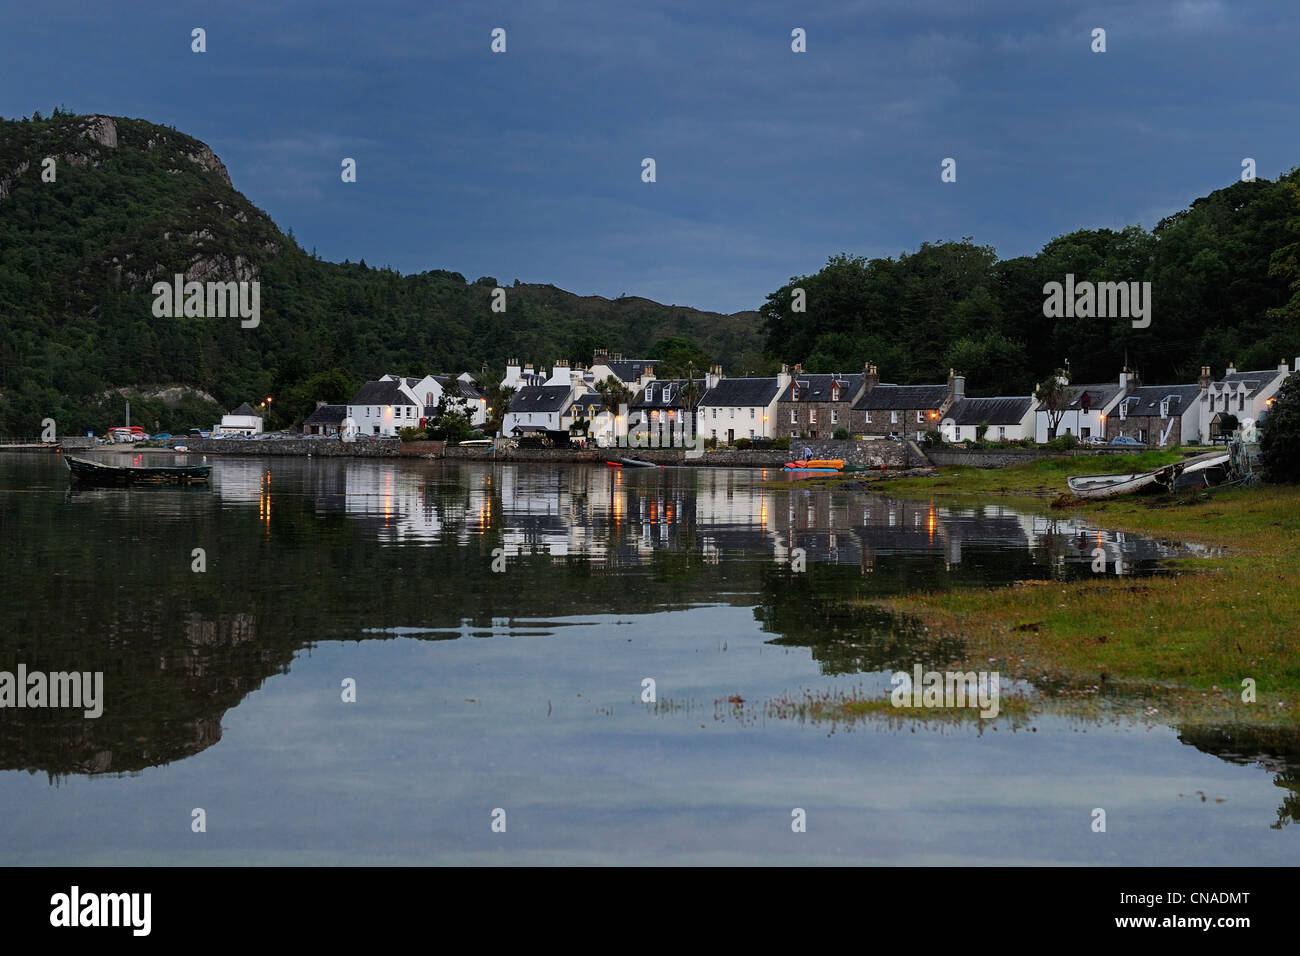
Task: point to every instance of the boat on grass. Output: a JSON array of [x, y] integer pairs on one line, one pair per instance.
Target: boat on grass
[[98, 473], [1203, 469]]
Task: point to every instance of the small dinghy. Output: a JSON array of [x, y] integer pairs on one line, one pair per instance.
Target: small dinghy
[[634, 463], [1203, 468], [98, 473]]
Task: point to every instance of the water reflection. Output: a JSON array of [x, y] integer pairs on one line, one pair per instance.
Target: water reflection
[[301, 552]]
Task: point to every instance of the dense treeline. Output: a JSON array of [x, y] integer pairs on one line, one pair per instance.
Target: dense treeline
[[1224, 289], [79, 255]]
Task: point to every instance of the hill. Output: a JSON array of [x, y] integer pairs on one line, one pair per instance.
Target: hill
[[133, 203]]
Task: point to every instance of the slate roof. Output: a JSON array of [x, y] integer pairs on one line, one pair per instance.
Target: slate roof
[[817, 388], [740, 392], [245, 410], [628, 370], [1146, 400], [380, 393], [1098, 395], [990, 411], [327, 415], [886, 397], [591, 401], [652, 396], [540, 398], [1255, 380]]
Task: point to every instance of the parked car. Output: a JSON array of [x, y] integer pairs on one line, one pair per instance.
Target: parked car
[[1124, 440], [1092, 440]]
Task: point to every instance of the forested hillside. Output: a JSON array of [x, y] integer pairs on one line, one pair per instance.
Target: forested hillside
[[1224, 288], [133, 203]]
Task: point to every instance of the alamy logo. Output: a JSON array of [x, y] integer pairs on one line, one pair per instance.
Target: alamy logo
[[57, 689], [203, 300], [102, 909], [1102, 300], [949, 689]]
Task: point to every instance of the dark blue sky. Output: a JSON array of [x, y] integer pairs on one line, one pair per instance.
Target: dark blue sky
[[528, 164]]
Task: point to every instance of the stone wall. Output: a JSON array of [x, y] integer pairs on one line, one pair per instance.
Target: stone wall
[[873, 454], [320, 447], [78, 444]]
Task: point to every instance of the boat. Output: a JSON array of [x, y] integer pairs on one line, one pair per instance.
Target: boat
[[613, 464], [1167, 477], [98, 473], [638, 464], [815, 464]]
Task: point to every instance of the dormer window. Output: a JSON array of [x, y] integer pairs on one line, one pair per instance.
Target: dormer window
[[794, 393], [835, 392]]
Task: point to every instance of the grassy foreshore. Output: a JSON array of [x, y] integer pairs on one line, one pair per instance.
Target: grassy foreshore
[[1178, 644]]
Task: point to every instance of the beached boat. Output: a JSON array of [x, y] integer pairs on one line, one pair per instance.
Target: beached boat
[[98, 473], [1204, 467]]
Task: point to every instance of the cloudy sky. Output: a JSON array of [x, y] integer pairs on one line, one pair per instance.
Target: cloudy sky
[[527, 164]]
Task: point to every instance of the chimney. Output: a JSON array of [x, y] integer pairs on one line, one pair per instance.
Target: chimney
[[647, 374], [798, 370], [600, 357], [1205, 378], [783, 379], [870, 377], [957, 387], [714, 377], [1128, 380], [1282, 368], [1232, 369]]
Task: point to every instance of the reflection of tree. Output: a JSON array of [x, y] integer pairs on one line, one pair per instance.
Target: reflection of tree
[[1276, 749], [845, 636]]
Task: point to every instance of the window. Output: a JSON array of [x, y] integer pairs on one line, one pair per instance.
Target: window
[[868, 418], [920, 436], [1241, 402], [812, 416], [794, 434], [733, 413], [893, 418], [794, 393], [920, 417], [794, 416], [1085, 432], [367, 411], [835, 393], [1002, 432], [835, 417], [751, 414]]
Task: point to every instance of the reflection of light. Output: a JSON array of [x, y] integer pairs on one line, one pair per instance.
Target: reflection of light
[[388, 497], [930, 523]]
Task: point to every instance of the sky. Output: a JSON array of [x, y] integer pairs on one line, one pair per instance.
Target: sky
[[528, 164]]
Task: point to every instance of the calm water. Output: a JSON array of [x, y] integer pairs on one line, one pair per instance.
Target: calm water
[[520, 689]]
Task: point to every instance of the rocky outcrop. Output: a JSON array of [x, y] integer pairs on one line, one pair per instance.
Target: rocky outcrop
[[100, 129]]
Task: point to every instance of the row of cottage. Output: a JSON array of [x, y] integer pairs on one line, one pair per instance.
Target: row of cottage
[[802, 405], [795, 404]]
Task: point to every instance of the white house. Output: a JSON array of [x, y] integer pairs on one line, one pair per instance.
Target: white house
[[244, 420], [517, 376], [1007, 418], [634, 373], [1088, 408], [1243, 395], [734, 408], [384, 406], [544, 407]]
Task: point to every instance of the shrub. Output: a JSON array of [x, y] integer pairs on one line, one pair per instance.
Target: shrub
[[743, 444], [1279, 441], [980, 431], [1069, 441], [412, 434], [782, 444], [934, 437], [841, 434]]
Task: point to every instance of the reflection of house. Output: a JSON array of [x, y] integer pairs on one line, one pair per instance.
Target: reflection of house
[[326, 420], [244, 420], [1157, 415], [904, 411], [816, 405], [1008, 419]]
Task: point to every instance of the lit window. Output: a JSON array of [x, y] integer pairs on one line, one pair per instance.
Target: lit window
[[893, 418], [794, 416], [920, 417]]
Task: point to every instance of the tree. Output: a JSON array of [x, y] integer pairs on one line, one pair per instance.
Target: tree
[[1053, 393]]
